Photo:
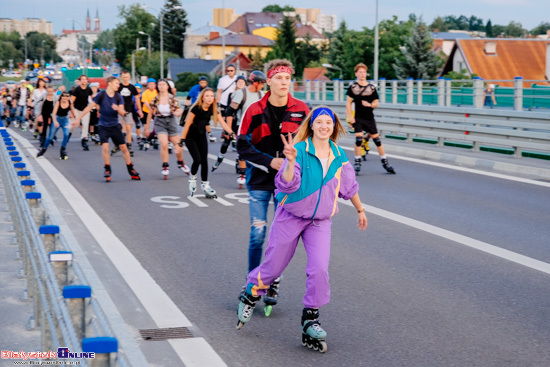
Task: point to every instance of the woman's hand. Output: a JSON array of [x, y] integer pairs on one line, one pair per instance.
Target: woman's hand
[[289, 151], [56, 124], [362, 221]]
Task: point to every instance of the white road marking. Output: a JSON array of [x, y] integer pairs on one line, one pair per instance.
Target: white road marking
[[158, 304], [463, 240]]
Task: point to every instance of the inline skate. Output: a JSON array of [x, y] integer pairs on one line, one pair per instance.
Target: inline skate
[[246, 308], [209, 192], [183, 167], [271, 296], [165, 170], [63, 154], [107, 173], [387, 166], [241, 180], [357, 166], [41, 152], [84, 143], [129, 145], [115, 150], [133, 173], [212, 138], [313, 336], [192, 185], [218, 162]]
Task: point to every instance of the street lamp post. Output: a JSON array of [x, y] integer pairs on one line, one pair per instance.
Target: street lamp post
[[148, 41], [42, 59], [376, 36], [134, 63]]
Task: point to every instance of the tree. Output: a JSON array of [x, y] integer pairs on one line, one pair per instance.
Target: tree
[[11, 48], [187, 80], [515, 29], [41, 46], [257, 61], [475, 24], [439, 25], [277, 8], [149, 66], [542, 28], [420, 62], [489, 29], [306, 52], [392, 36], [285, 43], [104, 48], [135, 19], [174, 27]]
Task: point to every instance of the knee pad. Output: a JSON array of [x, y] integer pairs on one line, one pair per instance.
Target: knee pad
[[377, 141], [358, 141]]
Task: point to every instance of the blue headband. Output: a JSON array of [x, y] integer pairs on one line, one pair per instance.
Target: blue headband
[[322, 111]]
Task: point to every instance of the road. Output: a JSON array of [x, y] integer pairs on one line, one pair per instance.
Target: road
[[427, 284]]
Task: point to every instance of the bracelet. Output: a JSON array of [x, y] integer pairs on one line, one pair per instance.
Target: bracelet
[[361, 210]]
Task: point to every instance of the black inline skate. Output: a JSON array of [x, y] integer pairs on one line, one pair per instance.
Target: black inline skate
[[218, 162], [133, 173], [387, 166], [107, 173], [129, 145], [84, 143], [313, 336], [63, 154], [357, 166]]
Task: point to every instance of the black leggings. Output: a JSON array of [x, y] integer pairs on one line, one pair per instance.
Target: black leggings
[[198, 148]]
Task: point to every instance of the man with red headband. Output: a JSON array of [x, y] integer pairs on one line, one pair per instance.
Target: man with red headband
[[259, 143]]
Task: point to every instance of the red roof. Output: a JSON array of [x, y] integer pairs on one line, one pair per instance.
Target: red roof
[[315, 74]]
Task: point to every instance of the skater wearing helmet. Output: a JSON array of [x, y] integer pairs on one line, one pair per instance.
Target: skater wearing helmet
[[315, 173], [165, 108], [365, 97], [240, 102], [194, 136]]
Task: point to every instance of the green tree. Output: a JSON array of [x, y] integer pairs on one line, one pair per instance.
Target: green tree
[[187, 80], [104, 48], [499, 30], [175, 24], [489, 29], [11, 48], [542, 28], [475, 24], [150, 66], [515, 29], [285, 43], [306, 52], [439, 25], [420, 62], [460, 75], [393, 35], [134, 19], [41, 45], [277, 8], [257, 60]]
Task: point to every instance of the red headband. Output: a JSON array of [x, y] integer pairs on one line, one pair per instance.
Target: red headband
[[278, 69]]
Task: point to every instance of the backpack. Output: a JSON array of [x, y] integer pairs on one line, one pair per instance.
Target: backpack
[[102, 97]]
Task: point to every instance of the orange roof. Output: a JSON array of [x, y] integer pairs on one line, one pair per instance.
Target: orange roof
[[513, 58], [315, 73]]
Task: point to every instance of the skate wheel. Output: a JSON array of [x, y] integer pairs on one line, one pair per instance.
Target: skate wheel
[[240, 325], [322, 347], [240, 187], [267, 310], [165, 177], [108, 179]]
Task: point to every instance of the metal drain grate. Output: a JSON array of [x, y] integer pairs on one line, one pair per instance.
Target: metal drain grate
[[166, 333]]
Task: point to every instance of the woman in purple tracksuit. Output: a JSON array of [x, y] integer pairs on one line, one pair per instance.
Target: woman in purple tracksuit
[[315, 173]]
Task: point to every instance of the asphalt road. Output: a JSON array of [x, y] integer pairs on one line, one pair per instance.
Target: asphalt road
[[401, 296]]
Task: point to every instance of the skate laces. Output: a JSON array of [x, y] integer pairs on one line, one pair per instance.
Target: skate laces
[[247, 310]]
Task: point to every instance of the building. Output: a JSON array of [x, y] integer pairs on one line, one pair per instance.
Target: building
[[445, 41], [502, 59], [223, 17], [212, 67], [192, 50], [245, 43], [70, 46], [25, 26]]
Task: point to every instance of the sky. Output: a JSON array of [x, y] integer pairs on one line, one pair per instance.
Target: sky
[[356, 13]]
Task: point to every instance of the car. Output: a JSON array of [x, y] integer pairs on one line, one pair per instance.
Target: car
[[12, 73], [31, 75]]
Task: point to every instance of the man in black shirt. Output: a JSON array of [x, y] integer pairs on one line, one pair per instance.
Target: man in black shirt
[[128, 93], [365, 98], [80, 99]]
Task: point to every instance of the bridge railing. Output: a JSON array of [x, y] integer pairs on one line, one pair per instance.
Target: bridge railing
[[64, 307], [521, 133], [518, 94]]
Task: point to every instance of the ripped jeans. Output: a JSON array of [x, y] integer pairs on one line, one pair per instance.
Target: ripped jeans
[[258, 205]]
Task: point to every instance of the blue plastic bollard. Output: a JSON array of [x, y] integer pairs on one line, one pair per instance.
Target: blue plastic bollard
[[102, 344], [49, 229]]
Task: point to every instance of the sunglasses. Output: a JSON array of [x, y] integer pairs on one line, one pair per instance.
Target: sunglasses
[[230, 71]]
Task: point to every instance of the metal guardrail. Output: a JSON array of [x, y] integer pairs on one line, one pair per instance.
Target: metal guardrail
[[64, 308], [524, 133], [517, 94]]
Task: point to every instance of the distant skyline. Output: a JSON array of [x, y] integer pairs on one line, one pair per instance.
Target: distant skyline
[[357, 14]]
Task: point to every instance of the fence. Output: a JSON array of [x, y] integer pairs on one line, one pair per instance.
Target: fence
[[69, 316], [441, 92], [518, 133]]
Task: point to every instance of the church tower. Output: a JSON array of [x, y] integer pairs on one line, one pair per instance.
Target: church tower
[[88, 21], [97, 24]]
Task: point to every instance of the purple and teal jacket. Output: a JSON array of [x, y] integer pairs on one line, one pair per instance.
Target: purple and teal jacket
[[309, 195]]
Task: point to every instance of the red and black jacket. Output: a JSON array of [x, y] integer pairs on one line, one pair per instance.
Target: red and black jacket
[[257, 144]]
